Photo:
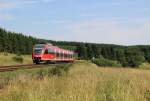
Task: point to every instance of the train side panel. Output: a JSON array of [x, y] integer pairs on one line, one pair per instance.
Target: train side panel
[[51, 53]]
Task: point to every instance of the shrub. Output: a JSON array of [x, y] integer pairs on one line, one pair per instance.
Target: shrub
[[134, 57], [106, 62], [65, 68], [135, 61], [147, 95], [55, 72], [18, 59], [40, 74], [59, 70]]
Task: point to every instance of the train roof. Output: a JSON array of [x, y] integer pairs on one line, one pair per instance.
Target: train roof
[[55, 48]]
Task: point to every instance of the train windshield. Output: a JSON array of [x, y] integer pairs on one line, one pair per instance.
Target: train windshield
[[37, 51], [38, 48]]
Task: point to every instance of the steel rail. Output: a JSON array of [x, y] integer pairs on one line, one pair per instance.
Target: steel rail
[[27, 66]]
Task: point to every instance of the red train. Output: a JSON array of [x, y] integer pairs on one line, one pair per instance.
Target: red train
[[50, 53]]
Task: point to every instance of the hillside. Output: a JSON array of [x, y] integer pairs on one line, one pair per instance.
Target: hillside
[[132, 56], [84, 82]]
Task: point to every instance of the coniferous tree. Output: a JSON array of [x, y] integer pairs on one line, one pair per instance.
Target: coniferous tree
[[81, 51], [90, 53]]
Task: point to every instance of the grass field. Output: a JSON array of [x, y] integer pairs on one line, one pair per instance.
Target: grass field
[[7, 59], [84, 82]]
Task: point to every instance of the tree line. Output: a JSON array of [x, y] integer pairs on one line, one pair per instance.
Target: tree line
[[132, 56], [15, 42], [126, 55]]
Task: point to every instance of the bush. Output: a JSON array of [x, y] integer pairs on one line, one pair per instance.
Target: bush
[[106, 62], [55, 71], [147, 95], [59, 70], [40, 74], [135, 61], [18, 59], [134, 57]]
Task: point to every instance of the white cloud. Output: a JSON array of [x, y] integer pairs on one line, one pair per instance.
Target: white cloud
[[7, 5], [48, 0], [5, 16], [16, 4], [105, 31], [35, 1], [19, 3]]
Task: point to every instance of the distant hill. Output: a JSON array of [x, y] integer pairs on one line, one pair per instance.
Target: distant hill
[[127, 55]]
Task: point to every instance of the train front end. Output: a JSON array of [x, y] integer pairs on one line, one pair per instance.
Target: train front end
[[37, 53]]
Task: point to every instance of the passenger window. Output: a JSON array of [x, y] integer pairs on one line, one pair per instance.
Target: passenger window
[[46, 51], [50, 51], [57, 54]]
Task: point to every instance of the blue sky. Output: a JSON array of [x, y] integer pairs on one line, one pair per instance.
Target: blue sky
[[123, 22]]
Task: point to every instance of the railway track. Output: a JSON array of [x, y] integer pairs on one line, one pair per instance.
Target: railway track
[[27, 66]]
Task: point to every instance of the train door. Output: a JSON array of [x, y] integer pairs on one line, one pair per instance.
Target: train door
[[48, 54]]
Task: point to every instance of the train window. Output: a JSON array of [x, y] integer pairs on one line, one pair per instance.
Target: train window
[[57, 54], [37, 51], [50, 51], [65, 55], [68, 55], [61, 55], [71, 55], [46, 51]]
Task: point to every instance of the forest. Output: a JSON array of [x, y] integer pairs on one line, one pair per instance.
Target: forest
[[132, 56]]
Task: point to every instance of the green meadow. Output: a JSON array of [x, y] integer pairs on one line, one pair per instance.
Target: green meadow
[[80, 81]]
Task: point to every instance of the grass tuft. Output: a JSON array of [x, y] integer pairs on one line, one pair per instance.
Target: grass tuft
[[18, 59]]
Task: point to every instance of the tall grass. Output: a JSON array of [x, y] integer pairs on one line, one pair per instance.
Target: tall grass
[[145, 66], [84, 82], [13, 59]]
